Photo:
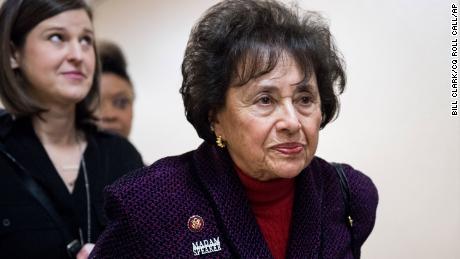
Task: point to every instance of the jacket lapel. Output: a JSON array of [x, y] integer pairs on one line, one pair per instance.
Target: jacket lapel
[[229, 200], [305, 239], [25, 146]]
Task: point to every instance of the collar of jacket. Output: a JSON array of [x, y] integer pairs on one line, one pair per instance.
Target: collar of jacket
[[222, 184]]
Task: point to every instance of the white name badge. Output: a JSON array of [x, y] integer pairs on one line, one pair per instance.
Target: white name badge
[[206, 246]]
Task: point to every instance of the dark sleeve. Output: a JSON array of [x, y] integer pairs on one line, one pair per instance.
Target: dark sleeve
[[124, 157], [364, 199], [130, 156], [120, 238]]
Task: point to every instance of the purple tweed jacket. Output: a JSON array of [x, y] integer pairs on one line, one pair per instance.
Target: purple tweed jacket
[[149, 212]]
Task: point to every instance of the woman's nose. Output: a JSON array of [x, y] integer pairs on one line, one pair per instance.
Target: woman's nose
[[75, 52], [289, 119]]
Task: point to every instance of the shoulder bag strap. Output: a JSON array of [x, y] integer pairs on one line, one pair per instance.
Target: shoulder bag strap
[[344, 187], [40, 195]]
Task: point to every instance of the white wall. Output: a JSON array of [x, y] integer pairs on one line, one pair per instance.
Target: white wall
[[394, 123]]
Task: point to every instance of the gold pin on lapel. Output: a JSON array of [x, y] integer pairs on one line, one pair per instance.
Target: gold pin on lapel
[[195, 223]]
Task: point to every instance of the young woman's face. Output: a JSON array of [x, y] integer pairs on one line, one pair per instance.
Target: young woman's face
[[115, 112], [271, 123], [58, 59]]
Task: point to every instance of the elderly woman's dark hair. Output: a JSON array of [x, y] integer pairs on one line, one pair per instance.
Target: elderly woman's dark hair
[[113, 60], [239, 40], [17, 19]]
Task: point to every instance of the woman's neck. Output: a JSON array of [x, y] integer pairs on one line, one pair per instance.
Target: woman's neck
[[56, 127], [266, 193]]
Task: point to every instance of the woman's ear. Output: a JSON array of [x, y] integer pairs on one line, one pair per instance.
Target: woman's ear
[[14, 57], [14, 64], [215, 124], [212, 120]]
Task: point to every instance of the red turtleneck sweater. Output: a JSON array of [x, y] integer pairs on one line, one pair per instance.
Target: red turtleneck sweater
[[271, 203]]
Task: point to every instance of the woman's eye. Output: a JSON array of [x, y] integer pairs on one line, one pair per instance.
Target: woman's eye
[[305, 100], [265, 100], [87, 40], [55, 38], [121, 103]]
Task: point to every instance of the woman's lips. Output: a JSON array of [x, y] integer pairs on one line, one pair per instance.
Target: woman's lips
[[289, 148], [74, 75]]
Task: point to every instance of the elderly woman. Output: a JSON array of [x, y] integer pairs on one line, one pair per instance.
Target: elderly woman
[[54, 162], [260, 81]]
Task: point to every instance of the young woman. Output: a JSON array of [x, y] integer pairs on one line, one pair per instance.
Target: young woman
[[54, 163]]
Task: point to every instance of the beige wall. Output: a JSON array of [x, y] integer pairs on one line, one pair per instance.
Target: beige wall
[[394, 124]]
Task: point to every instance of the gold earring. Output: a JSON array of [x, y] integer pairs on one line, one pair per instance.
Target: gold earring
[[219, 142]]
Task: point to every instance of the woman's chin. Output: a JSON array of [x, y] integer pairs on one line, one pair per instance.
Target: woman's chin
[[288, 171], [74, 98], [289, 174]]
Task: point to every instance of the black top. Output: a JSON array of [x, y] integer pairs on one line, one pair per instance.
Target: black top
[[26, 230]]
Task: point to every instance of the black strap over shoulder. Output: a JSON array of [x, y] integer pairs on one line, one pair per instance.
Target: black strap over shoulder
[[40, 195], [344, 187], [345, 192]]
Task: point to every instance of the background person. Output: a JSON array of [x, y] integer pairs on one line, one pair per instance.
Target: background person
[[54, 162], [260, 81], [115, 112]]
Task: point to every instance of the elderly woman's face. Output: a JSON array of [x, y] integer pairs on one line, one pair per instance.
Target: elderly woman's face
[[271, 124]]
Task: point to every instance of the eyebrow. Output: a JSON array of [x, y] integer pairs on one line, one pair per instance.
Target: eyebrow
[[122, 93], [267, 87], [303, 87], [58, 28]]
